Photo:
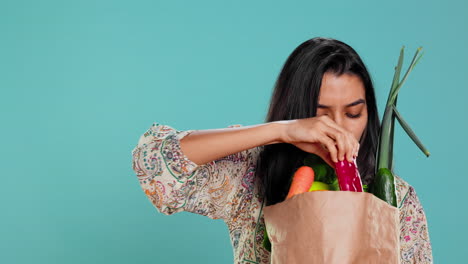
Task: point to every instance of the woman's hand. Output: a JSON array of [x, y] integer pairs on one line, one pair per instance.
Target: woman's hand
[[321, 136]]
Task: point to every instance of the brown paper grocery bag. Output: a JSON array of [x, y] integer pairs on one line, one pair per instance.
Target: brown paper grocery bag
[[331, 227]]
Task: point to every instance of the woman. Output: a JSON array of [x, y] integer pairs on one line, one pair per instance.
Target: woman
[[323, 103]]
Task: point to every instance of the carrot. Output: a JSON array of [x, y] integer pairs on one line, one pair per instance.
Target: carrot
[[301, 182]]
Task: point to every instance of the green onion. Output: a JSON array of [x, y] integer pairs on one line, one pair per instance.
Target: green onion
[[384, 181], [385, 146], [410, 132]]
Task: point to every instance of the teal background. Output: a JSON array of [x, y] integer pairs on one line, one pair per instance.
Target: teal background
[[82, 80]]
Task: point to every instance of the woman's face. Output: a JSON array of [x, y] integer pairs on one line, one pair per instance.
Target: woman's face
[[343, 99]]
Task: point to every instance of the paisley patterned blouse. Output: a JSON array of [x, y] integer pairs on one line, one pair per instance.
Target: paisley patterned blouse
[[227, 189]]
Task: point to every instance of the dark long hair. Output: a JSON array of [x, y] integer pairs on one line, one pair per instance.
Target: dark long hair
[[295, 96]]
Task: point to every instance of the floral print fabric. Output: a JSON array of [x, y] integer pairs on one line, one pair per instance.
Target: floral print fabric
[[227, 189]]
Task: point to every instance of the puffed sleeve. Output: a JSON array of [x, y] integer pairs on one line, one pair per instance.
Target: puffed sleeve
[[173, 183], [414, 237]]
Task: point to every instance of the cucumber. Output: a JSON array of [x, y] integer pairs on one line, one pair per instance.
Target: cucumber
[[384, 186]]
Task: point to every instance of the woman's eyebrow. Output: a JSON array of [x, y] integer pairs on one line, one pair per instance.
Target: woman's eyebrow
[[360, 101]]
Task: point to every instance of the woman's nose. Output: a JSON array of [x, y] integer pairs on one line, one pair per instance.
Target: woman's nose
[[337, 119]]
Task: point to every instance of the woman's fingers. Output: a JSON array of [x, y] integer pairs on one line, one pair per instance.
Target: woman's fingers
[[334, 141], [350, 153], [341, 140], [347, 144], [330, 146], [356, 150]]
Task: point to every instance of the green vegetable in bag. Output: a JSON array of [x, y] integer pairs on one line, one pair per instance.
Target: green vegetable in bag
[[384, 186], [384, 180]]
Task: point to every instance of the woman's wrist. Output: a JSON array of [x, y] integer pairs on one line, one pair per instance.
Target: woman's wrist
[[280, 128]]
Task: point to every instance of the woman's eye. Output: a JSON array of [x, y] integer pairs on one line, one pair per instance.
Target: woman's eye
[[354, 116]]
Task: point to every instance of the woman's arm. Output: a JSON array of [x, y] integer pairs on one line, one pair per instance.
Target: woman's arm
[[203, 146], [174, 183], [201, 171]]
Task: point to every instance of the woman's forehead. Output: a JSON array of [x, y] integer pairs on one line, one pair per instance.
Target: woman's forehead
[[339, 91]]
